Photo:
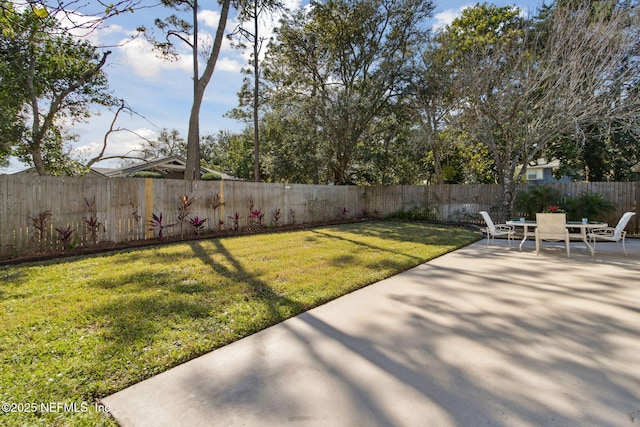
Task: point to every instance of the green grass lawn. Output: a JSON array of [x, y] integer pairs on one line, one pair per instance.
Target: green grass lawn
[[75, 330]]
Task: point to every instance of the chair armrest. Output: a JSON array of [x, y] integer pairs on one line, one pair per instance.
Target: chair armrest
[[505, 227], [602, 231]]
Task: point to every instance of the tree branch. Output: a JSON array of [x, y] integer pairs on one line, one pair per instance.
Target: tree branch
[[113, 129]]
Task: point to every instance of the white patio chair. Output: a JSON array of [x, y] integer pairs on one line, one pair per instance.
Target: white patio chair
[[551, 227], [611, 234], [494, 230]]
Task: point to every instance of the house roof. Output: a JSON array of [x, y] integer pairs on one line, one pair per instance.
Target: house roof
[[95, 172], [166, 164], [544, 164]]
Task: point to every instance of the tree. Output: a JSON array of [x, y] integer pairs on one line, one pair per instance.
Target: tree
[[431, 92], [228, 152], [168, 143], [339, 68], [79, 16], [114, 128], [605, 149], [291, 152], [252, 11], [521, 87], [48, 78], [10, 128], [186, 32]]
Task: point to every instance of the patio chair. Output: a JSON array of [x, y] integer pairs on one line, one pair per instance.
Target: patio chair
[[551, 227], [494, 230], [612, 234]]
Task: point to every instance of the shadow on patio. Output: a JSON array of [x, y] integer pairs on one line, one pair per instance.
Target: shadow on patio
[[480, 336]]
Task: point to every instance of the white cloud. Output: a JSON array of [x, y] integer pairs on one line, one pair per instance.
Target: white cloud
[[119, 143], [111, 29], [124, 142], [139, 54], [231, 65], [79, 25], [446, 17], [210, 18], [292, 4]]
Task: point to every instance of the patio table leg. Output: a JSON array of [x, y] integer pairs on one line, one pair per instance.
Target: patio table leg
[[524, 237], [583, 230]]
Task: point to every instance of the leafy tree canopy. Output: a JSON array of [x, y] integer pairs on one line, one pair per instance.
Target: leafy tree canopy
[[48, 80]]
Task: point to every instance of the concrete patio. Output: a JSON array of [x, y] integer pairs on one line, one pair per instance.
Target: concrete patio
[[478, 337]]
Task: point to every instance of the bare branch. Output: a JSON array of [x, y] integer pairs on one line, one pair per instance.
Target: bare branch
[[113, 129]]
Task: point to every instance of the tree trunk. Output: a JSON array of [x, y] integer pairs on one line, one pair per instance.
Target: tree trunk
[[256, 75], [437, 162], [508, 195], [192, 170], [38, 162]]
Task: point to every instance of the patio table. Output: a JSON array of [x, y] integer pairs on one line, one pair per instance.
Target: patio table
[[570, 224]]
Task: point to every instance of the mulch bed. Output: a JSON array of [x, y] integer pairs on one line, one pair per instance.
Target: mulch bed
[[105, 247]]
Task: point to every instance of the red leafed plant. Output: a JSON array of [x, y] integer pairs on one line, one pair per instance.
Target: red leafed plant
[[256, 216], [236, 220], [155, 223], [64, 235], [197, 224]]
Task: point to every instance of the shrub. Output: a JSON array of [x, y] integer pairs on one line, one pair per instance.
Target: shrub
[[184, 210], [147, 174], [156, 223], [588, 205], [277, 215], [542, 198], [236, 221], [197, 224], [416, 213], [64, 235], [344, 213], [211, 176], [536, 199], [256, 216]]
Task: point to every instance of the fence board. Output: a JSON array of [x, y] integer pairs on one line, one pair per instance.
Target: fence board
[[124, 205]]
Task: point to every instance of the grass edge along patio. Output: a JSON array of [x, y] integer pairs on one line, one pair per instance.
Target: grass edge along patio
[[78, 329]]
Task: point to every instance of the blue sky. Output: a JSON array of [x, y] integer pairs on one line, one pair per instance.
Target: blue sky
[[161, 91]]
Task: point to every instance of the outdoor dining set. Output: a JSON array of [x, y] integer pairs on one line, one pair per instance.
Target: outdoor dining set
[[555, 227]]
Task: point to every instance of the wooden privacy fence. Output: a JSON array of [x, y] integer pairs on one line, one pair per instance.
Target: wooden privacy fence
[[35, 212]]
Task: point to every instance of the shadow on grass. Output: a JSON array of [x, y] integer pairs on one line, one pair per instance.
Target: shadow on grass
[[260, 288], [144, 316], [545, 342], [11, 277], [139, 318], [146, 306], [410, 233]]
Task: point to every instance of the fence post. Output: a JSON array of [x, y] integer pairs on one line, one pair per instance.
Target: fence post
[[148, 207], [223, 217], [636, 203]]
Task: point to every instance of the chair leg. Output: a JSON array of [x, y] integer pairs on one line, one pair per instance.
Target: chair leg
[[537, 246], [566, 242]]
